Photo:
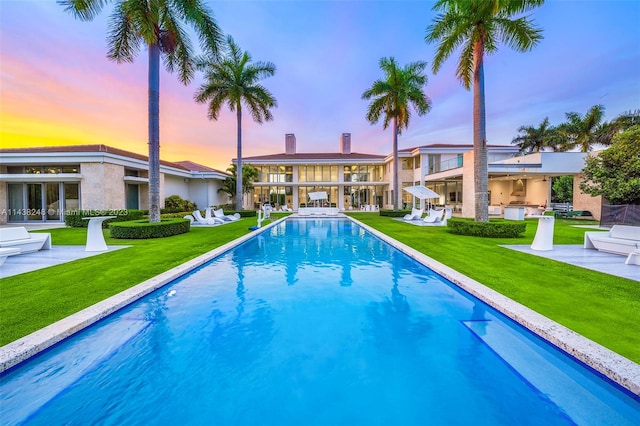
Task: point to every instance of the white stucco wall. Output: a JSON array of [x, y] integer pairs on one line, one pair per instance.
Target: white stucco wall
[[175, 185]]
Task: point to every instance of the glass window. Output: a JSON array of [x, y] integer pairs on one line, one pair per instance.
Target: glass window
[[416, 162], [326, 173], [334, 173], [16, 202], [434, 163], [70, 169], [71, 196], [15, 170]]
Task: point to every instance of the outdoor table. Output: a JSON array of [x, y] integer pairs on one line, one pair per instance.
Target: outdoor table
[[543, 241], [95, 237]]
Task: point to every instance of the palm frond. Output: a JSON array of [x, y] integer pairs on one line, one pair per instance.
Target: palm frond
[[198, 15], [85, 10], [176, 47], [123, 38]]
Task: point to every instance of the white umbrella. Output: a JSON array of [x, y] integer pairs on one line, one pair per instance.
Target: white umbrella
[[422, 192], [318, 196]]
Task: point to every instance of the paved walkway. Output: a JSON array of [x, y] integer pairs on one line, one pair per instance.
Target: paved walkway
[[612, 264]]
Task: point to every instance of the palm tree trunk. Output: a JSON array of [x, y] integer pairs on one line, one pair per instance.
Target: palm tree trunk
[[154, 133], [396, 175], [239, 193], [480, 172]]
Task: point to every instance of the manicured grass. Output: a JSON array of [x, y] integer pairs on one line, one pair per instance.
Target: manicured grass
[[601, 307], [598, 306]]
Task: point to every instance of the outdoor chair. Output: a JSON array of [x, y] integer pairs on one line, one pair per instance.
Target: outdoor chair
[[416, 214], [219, 214], [448, 212], [204, 221], [435, 216]]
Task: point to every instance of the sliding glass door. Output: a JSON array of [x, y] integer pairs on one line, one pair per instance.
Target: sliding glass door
[[39, 202]]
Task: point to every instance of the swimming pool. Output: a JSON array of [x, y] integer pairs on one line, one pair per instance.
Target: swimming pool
[[313, 322]]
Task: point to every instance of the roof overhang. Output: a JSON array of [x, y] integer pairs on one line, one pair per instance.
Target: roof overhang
[[41, 177]]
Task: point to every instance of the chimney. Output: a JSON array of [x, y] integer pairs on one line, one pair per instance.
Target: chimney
[[289, 143], [345, 143]]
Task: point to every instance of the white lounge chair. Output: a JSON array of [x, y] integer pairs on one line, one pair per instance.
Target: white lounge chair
[[204, 221], [416, 214], [6, 252], [210, 217], [435, 216], [28, 242], [219, 214], [448, 212]]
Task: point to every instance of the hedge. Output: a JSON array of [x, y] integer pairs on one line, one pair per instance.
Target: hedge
[[143, 229], [74, 218], [491, 229], [394, 213]]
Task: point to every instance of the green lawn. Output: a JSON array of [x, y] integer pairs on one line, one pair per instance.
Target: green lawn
[[598, 306]]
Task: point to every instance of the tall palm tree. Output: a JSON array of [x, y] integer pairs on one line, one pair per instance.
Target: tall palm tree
[[391, 98], [159, 26], [534, 139], [233, 79], [585, 131], [477, 26]]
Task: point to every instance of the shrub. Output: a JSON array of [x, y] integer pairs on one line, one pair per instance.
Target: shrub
[[491, 229], [175, 204], [143, 229], [243, 213], [74, 218], [394, 213], [177, 215]]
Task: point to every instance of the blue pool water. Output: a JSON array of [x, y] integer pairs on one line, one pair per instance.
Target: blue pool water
[[313, 322]]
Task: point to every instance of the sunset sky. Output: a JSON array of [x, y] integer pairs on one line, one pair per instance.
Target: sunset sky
[[58, 88]]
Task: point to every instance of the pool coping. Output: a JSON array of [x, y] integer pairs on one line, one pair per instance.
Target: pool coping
[[610, 364]]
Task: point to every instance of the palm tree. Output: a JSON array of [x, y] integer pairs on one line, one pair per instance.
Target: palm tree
[[391, 97], [534, 139], [624, 121], [158, 25], [249, 175], [477, 26], [233, 79], [585, 131]]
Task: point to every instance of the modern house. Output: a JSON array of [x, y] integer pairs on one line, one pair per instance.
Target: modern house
[[354, 180], [44, 184]]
